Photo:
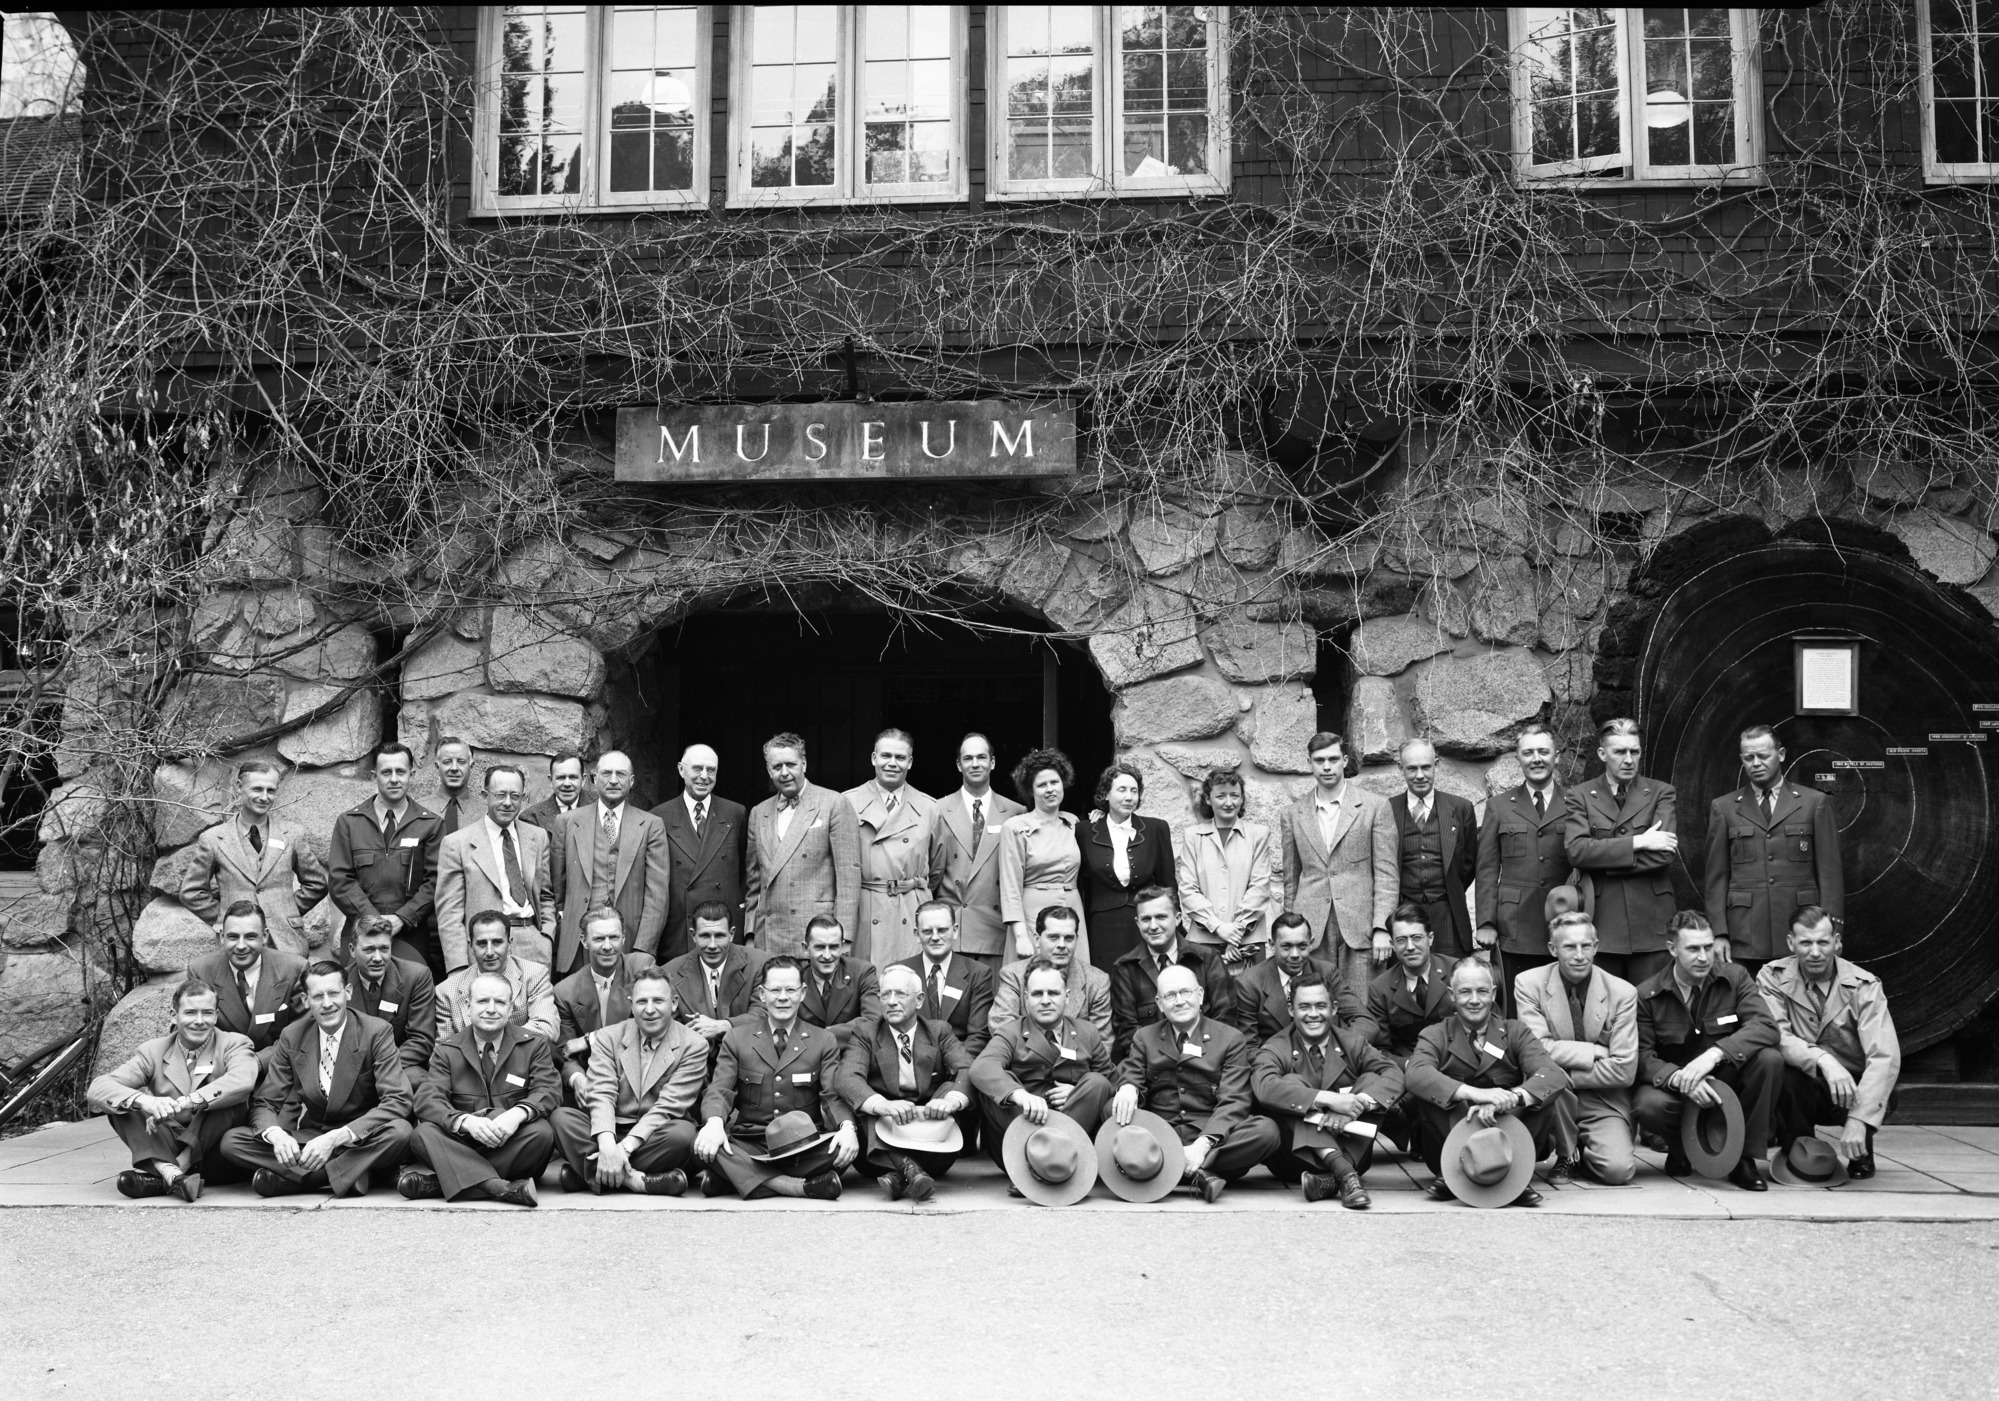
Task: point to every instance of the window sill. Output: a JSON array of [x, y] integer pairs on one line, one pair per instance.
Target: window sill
[[738, 200], [1584, 182], [1207, 190], [1974, 176]]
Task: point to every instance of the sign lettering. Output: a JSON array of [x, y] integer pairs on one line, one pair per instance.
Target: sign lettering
[[921, 441], [1906, 751], [1861, 763], [1965, 738]]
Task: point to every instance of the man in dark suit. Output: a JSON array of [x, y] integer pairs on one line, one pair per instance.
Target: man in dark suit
[[565, 774], [1521, 857], [1135, 975], [597, 995], [1047, 1060], [1263, 994], [334, 1105], [382, 861], [1772, 849], [839, 991], [1476, 1064], [716, 981], [1438, 837], [261, 989], [1193, 1072], [1618, 832], [633, 1129], [1700, 1020], [964, 855], [705, 837], [396, 991], [904, 1070], [1414, 992], [482, 1108], [609, 854], [1326, 1089], [772, 1067], [957, 990]]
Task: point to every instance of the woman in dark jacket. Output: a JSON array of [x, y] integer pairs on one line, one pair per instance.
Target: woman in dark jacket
[[1122, 854]]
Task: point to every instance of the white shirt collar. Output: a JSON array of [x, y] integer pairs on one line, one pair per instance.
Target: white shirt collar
[[691, 800], [1325, 803], [494, 831]]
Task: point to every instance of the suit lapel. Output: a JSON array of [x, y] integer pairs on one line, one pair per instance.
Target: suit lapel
[[628, 847], [277, 846], [1349, 810], [959, 820], [1596, 1006], [885, 1057], [801, 821], [1447, 827], [346, 1064], [1305, 821], [1787, 802], [1557, 805], [680, 827]]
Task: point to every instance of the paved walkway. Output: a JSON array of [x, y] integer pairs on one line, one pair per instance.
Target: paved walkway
[[1925, 1174]]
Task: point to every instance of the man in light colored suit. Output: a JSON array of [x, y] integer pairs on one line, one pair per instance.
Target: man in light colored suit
[[597, 995], [534, 997], [635, 1131], [1618, 832], [1342, 864], [177, 1096], [1057, 930], [705, 836], [497, 862], [610, 853], [804, 855], [254, 856], [894, 823], [1588, 1020], [964, 853]]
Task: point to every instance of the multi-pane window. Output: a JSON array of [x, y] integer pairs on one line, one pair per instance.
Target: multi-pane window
[[849, 102], [1960, 42], [1663, 93], [588, 106], [1106, 100]]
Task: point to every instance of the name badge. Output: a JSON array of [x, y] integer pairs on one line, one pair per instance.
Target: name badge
[[1190, 1048], [952, 994], [1491, 1049], [818, 822], [389, 1006], [515, 1080], [1730, 1020], [802, 1078], [1068, 1052], [276, 844], [410, 841], [575, 1044], [262, 1017], [201, 1070]]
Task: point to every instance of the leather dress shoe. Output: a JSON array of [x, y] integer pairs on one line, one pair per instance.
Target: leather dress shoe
[[1206, 1184], [137, 1184], [917, 1184], [1677, 1164], [1527, 1197], [1440, 1191], [188, 1187], [269, 1182], [520, 1192], [891, 1180], [1748, 1176], [671, 1183], [572, 1180], [418, 1184], [1861, 1167], [1562, 1174], [1319, 1185], [714, 1184], [1353, 1196], [823, 1186]]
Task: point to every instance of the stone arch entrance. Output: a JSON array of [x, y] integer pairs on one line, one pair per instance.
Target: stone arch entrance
[[1918, 814], [839, 675]]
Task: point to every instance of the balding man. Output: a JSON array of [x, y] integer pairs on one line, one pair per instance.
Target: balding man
[[483, 1107], [903, 1073], [1437, 834], [1046, 1060], [1193, 1072], [1475, 1064], [705, 840], [534, 999], [964, 854], [493, 861], [610, 853]]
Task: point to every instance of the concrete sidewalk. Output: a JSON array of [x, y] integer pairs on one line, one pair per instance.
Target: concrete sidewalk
[[1925, 1174]]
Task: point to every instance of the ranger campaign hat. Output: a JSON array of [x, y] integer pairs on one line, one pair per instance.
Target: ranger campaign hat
[[1141, 1161], [1712, 1135], [1053, 1164], [920, 1135], [789, 1134], [1488, 1166], [1562, 900]]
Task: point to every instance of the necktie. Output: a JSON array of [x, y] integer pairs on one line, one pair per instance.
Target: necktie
[[933, 991], [1769, 805], [714, 993], [328, 1047], [516, 882], [1315, 1061], [486, 1062], [257, 840], [1818, 991], [978, 818], [451, 816], [906, 1070], [389, 828], [610, 825], [1285, 983], [701, 818], [1540, 803], [777, 1041], [891, 803], [243, 985]]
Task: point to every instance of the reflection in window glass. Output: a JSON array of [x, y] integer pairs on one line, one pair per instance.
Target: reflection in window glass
[[1164, 49], [1574, 79], [906, 93], [542, 55], [793, 93], [1689, 113], [40, 73], [1964, 69], [1050, 92], [650, 94]]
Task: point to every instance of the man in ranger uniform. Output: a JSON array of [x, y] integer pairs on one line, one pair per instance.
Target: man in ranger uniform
[[1772, 849]]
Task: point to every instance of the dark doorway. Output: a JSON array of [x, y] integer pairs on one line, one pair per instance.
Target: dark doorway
[[733, 679], [1915, 800]]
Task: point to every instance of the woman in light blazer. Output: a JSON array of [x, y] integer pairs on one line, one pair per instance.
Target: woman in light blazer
[[1122, 854], [1039, 857], [1228, 892]]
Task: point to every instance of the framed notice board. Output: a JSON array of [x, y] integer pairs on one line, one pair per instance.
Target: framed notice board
[[1827, 672]]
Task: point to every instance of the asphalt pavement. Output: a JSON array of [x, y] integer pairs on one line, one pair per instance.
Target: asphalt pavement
[[1022, 1304]]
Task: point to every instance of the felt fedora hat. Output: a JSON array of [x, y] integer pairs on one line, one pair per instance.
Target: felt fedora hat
[[1810, 1162], [789, 1135], [1488, 1166], [1563, 899], [1712, 1135], [1053, 1164], [1141, 1161], [920, 1135]]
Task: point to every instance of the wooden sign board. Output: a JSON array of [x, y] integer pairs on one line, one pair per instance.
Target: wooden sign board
[[961, 440], [1828, 677]]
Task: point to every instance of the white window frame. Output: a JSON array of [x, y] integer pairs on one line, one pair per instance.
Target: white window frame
[[1745, 66], [850, 121], [594, 192], [1938, 172], [1110, 181]]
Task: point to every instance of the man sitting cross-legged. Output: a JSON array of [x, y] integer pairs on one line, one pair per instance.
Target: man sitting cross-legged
[[1326, 1089], [907, 1078], [634, 1131]]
